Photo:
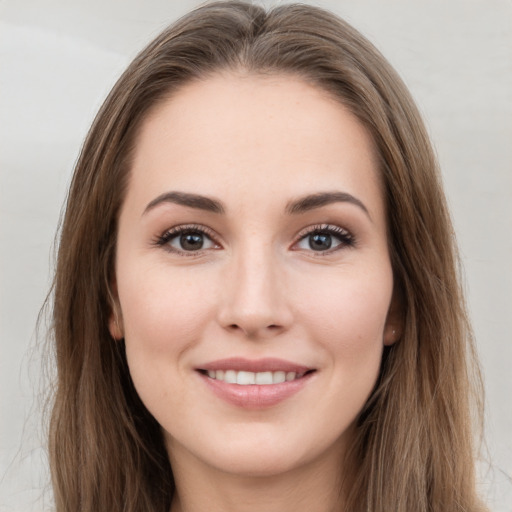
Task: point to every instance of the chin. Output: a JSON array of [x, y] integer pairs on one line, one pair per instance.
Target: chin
[[257, 453], [259, 462]]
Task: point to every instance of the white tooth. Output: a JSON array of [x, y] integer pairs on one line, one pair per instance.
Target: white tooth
[[230, 376], [290, 376], [278, 377], [264, 378], [211, 374], [245, 378], [219, 374]]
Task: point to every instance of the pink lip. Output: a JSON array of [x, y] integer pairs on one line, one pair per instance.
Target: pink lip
[[255, 365], [255, 396]]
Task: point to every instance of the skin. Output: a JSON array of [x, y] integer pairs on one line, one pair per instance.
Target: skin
[[256, 289]]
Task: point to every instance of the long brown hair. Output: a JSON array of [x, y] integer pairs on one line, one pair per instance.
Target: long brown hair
[[414, 445]]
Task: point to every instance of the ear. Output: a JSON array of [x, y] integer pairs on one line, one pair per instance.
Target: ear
[[115, 319], [394, 321]]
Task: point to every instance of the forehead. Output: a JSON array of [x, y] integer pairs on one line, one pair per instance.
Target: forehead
[[273, 132]]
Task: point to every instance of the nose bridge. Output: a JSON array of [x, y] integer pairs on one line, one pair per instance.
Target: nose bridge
[[254, 301]]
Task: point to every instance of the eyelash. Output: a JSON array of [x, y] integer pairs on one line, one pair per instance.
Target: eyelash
[[164, 239], [346, 239]]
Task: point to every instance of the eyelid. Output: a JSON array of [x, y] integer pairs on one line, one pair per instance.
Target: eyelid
[[164, 239], [321, 227], [346, 237]]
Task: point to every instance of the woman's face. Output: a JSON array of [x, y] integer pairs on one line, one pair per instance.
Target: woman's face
[[253, 274]]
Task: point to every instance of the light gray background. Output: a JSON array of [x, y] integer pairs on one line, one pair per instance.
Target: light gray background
[[59, 58]]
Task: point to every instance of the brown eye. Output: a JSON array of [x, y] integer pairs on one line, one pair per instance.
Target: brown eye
[[193, 241], [186, 239], [325, 238]]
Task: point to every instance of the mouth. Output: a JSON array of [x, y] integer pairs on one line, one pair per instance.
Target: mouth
[[245, 378], [255, 384]]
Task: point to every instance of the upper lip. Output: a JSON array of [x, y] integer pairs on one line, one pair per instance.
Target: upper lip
[[255, 365]]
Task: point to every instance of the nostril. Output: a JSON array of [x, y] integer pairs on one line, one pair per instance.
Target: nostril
[[254, 330]]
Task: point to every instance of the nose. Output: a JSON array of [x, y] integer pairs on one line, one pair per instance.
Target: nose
[[254, 299]]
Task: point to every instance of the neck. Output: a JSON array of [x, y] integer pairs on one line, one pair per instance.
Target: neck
[[313, 487]]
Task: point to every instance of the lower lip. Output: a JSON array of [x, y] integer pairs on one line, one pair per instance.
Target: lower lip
[[253, 396]]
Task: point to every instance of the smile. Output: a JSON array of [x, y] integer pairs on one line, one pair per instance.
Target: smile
[[245, 378], [255, 384]]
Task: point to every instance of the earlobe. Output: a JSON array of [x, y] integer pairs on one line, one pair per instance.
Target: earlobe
[[391, 335], [394, 321], [115, 326], [115, 320]]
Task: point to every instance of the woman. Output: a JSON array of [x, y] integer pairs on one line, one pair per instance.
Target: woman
[[256, 297]]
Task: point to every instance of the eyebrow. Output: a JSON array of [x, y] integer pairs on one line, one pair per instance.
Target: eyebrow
[[312, 201], [186, 199], [297, 206]]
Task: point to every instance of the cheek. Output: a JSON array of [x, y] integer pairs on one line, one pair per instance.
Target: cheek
[[347, 313], [164, 317], [162, 310]]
